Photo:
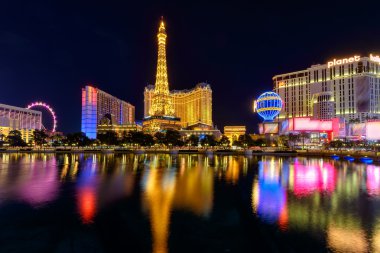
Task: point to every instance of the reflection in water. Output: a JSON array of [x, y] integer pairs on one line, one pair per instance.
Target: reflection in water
[[86, 190], [158, 197], [373, 180], [194, 188], [229, 168], [34, 180], [321, 196], [268, 195], [191, 188], [99, 180], [312, 177], [334, 202], [346, 240]]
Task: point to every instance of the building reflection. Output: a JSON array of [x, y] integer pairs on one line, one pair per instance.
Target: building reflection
[[165, 188], [315, 176], [159, 185], [33, 181], [87, 185], [268, 194], [194, 189], [101, 179], [336, 199], [373, 179], [230, 168], [319, 196], [184, 183]]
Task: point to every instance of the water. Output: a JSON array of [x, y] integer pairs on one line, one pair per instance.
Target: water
[[187, 203]]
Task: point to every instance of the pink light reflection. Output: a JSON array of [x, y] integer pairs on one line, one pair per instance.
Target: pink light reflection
[[373, 180], [39, 185], [313, 178]]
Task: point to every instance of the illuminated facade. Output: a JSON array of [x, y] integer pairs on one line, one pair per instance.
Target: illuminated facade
[[21, 119], [321, 128], [200, 130], [233, 132], [178, 108], [346, 88], [118, 129], [190, 106], [99, 107]]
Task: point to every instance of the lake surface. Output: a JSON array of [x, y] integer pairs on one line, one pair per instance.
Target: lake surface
[[187, 203]]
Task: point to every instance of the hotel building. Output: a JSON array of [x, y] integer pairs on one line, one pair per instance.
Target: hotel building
[[190, 106], [176, 109], [101, 108], [347, 88], [21, 119]]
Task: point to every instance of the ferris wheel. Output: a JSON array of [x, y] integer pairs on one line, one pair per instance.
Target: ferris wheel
[[47, 108]]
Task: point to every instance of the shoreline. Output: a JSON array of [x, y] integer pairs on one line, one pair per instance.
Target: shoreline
[[326, 153]]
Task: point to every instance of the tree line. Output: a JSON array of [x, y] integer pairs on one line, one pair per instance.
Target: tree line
[[169, 138]]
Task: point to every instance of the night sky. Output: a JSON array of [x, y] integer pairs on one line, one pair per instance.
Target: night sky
[[50, 50]]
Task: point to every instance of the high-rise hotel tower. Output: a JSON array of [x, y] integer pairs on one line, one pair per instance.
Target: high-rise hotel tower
[[346, 88], [99, 107], [176, 109]]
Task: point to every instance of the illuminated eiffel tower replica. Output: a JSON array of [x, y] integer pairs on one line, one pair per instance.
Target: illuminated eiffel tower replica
[[161, 114]]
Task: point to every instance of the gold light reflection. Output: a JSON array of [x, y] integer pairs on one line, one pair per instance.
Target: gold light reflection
[[190, 189], [194, 191], [255, 195], [233, 170], [230, 167], [158, 197], [376, 238], [346, 240]]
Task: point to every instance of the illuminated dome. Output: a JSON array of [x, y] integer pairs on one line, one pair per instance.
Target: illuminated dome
[[268, 105]]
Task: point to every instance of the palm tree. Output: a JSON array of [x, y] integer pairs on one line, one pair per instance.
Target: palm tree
[[293, 138], [192, 140], [245, 140], [39, 137], [208, 140], [57, 139], [224, 141], [159, 138], [2, 139], [304, 136], [173, 138], [283, 140], [15, 139]]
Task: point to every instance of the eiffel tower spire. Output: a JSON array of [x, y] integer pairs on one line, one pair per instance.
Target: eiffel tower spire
[[162, 103]]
